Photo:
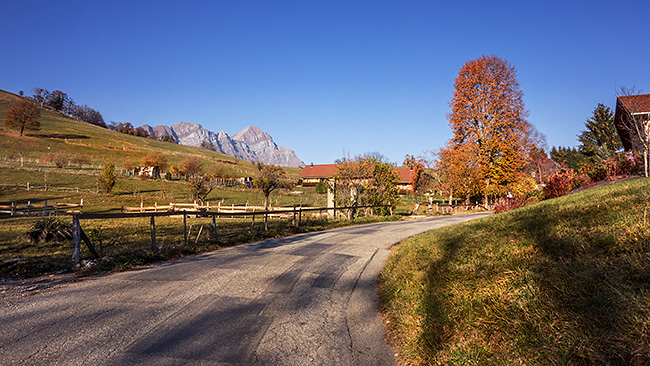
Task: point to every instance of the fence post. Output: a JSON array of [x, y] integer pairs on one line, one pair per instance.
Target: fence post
[[214, 226], [76, 240], [253, 220], [299, 215], [153, 233], [293, 220], [185, 227], [266, 219]]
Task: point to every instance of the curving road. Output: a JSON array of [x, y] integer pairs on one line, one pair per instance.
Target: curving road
[[308, 299]]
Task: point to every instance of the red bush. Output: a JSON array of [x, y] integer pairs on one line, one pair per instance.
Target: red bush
[[559, 184], [506, 204]]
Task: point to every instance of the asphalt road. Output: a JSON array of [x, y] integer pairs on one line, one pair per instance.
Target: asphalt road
[[309, 299]]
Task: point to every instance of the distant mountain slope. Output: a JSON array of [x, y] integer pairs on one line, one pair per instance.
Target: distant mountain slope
[[251, 144]]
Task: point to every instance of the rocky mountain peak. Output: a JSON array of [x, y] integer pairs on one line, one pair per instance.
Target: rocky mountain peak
[[251, 143], [251, 135]]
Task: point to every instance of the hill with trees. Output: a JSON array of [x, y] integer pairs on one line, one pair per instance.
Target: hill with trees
[[62, 136]]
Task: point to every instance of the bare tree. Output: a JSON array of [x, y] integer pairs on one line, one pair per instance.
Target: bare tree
[[635, 120]]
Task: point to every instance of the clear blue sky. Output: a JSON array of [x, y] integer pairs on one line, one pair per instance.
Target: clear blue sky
[[324, 77]]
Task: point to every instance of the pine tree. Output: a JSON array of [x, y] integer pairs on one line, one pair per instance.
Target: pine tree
[[600, 140]]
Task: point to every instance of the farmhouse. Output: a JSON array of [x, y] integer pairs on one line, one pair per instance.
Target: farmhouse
[[627, 108], [313, 174]]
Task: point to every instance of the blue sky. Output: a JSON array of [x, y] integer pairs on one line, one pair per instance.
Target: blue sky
[[324, 77]]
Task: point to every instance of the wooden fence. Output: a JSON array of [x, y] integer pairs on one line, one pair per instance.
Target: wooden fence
[[78, 235], [42, 209], [445, 208], [198, 207]]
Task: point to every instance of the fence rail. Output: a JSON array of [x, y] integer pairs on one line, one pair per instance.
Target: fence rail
[[43, 209], [78, 235], [207, 207]]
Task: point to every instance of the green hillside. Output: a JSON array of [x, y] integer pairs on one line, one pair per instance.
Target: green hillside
[[562, 282], [64, 135]]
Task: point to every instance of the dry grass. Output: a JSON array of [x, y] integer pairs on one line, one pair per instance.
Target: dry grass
[[564, 281]]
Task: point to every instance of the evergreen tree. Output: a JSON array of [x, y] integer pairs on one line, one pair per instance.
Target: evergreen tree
[[569, 157], [600, 140]]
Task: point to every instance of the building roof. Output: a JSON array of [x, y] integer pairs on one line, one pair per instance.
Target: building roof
[[327, 170], [404, 174], [636, 103], [629, 104], [318, 171]]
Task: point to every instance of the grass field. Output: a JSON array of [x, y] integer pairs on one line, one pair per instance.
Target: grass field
[[22, 163], [560, 282], [61, 134]]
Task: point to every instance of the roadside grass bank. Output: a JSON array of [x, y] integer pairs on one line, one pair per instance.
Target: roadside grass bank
[[563, 281]]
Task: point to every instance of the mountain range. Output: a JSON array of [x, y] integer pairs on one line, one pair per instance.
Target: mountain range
[[250, 144]]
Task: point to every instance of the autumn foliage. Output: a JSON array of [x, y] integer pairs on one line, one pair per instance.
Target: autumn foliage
[[23, 116], [492, 138]]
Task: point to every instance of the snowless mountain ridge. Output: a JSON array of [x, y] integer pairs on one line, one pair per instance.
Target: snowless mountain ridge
[[250, 144]]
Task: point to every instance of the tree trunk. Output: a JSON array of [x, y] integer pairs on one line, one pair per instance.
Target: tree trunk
[[485, 198]]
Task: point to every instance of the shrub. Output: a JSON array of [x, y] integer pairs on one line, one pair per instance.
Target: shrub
[[559, 184], [80, 159], [50, 224], [506, 204], [596, 172], [321, 188], [48, 229], [582, 180], [107, 179], [60, 160]]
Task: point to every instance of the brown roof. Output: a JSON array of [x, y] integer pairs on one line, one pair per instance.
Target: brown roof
[[404, 174], [636, 103], [327, 170], [632, 104], [318, 171]]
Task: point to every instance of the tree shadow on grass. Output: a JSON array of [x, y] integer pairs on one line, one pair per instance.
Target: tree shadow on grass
[[591, 294], [589, 284], [60, 136]]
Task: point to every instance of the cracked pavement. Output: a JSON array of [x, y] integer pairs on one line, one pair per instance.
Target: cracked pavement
[[309, 299]]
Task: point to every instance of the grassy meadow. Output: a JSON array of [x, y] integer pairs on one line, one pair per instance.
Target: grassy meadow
[[125, 242], [561, 282], [60, 134]]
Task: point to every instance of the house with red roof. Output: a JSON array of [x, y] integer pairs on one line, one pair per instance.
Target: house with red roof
[[312, 174], [627, 107]]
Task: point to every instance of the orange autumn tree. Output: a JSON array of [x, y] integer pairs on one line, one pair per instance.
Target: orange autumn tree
[[491, 135], [23, 116], [460, 171]]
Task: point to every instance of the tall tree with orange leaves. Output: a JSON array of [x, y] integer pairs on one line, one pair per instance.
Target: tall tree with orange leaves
[[488, 119]]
